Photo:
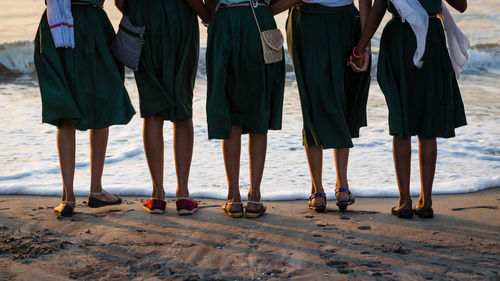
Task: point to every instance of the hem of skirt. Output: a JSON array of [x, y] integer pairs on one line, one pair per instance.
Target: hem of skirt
[[85, 128], [246, 130], [166, 117], [444, 136], [330, 146]]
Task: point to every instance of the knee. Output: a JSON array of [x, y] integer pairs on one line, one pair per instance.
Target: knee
[[153, 120], [66, 125], [184, 124]]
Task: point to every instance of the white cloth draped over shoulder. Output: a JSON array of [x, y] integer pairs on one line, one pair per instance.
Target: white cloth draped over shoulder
[[417, 17], [458, 43], [61, 23], [411, 11], [330, 3]]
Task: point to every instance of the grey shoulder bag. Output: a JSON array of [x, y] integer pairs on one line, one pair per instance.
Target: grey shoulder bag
[[128, 42]]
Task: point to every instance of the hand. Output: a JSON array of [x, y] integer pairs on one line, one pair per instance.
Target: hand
[[359, 64]]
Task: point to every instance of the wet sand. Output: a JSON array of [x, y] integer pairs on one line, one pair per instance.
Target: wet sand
[[290, 242]]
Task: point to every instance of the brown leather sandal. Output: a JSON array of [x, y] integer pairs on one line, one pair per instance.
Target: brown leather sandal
[[255, 214], [226, 207]]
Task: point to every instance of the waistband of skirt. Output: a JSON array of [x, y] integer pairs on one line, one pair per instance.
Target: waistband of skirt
[[431, 16], [318, 9], [82, 3], [261, 3]]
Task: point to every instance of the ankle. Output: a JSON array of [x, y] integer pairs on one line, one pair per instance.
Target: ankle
[[182, 193], [405, 204], [231, 199], [70, 203], [254, 197], [317, 189], [158, 196]]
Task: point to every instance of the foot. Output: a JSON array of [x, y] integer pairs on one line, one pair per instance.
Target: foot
[[255, 209], [186, 206], [65, 209], [317, 202], [154, 206], [403, 212], [103, 198], [233, 209], [344, 195], [424, 212]]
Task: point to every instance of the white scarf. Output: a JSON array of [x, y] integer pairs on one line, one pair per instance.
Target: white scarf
[[61, 23], [458, 44], [413, 12]]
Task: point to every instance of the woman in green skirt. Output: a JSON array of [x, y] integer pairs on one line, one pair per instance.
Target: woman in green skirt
[[423, 101], [245, 95], [165, 80], [82, 88], [333, 97]]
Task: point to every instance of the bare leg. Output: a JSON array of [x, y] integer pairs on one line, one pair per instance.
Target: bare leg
[[232, 149], [66, 148], [402, 163], [315, 160], [98, 144], [257, 150], [183, 150], [154, 149], [341, 160], [427, 155]]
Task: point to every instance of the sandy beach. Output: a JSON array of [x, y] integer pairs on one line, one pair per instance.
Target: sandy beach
[[290, 242]]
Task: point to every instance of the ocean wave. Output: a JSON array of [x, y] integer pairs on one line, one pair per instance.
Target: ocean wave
[[16, 58]]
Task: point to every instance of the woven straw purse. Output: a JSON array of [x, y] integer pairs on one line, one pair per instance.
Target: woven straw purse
[[272, 42]]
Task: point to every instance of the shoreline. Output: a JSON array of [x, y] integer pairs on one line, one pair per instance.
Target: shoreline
[[414, 198], [124, 242]]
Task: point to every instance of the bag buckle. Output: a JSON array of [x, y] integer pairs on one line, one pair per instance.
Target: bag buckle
[[255, 3]]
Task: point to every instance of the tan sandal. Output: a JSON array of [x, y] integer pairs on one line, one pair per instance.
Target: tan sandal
[[226, 207], [65, 209], [255, 214]]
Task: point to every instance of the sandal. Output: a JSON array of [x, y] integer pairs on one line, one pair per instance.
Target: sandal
[[226, 207], [255, 214], [343, 204], [320, 208], [154, 206], [186, 206], [424, 212], [96, 203], [65, 209], [404, 213]]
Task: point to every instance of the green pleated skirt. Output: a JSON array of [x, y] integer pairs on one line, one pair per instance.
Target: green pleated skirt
[[332, 96], [169, 59], [85, 83], [242, 90], [422, 101]]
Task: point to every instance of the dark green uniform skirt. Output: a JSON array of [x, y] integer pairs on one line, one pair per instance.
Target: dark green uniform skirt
[[169, 59], [242, 90], [422, 101], [84, 84], [333, 97]]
